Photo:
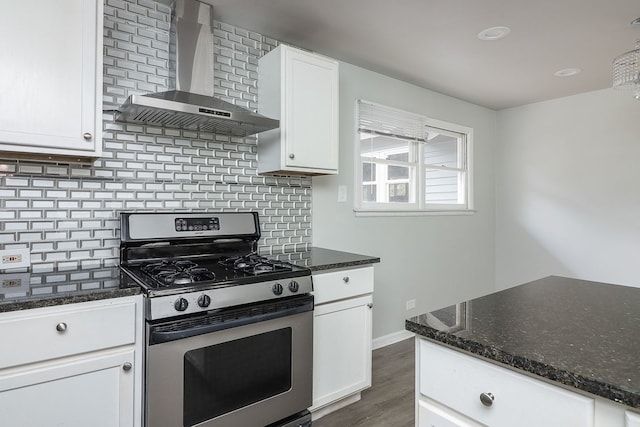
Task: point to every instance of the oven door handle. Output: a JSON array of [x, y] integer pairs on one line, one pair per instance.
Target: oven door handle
[[217, 322]]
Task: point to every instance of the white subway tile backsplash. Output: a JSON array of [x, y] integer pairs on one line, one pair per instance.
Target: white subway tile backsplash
[[148, 167]]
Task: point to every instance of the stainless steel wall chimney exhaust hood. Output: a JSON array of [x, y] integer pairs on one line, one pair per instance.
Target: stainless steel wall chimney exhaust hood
[[190, 103]]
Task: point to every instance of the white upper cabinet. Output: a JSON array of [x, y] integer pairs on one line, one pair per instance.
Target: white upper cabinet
[[301, 90], [51, 78]]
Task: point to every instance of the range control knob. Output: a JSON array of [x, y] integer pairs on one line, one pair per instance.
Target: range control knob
[[293, 286], [277, 289], [204, 300], [181, 304]]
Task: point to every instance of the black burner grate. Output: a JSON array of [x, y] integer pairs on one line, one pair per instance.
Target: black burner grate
[[254, 264], [177, 272]]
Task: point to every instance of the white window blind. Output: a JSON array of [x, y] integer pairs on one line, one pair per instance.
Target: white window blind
[[387, 121], [409, 162]]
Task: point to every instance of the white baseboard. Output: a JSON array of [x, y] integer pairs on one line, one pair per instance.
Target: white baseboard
[[392, 338]]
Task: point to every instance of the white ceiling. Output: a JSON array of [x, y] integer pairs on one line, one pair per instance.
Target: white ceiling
[[434, 44]]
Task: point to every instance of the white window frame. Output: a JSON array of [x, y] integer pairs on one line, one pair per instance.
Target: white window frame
[[416, 174]]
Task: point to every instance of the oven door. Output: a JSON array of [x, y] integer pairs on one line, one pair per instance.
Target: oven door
[[250, 366]]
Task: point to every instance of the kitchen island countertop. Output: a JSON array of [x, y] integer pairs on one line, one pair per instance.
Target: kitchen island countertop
[[319, 259], [581, 334], [36, 289]]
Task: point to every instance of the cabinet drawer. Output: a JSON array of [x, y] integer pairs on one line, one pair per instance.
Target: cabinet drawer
[[457, 381], [342, 284], [33, 335], [432, 415]]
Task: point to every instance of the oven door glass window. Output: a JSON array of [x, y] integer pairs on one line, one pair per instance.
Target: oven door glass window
[[224, 377]]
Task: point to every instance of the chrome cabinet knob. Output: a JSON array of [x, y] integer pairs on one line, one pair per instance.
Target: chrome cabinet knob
[[487, 399], [61, 327], [292, 156], [87, 136], [345, 279], [127, 366], [370, 305]]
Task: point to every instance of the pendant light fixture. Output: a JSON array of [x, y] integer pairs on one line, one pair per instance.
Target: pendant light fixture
[[626, 69]]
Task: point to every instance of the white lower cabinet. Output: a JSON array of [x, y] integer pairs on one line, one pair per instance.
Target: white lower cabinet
[[342, 338], [342, 349], [91, 391], [74, 365], [458, 390]]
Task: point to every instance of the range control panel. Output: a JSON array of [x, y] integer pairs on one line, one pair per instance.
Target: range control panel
[[197, 224], [165, 306]]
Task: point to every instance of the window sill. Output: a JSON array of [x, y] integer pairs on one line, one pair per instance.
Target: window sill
[[364, 213]]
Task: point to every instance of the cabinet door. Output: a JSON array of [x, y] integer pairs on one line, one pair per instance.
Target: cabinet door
[[50, 78], [341, 349], [311, 111], [92, 391]]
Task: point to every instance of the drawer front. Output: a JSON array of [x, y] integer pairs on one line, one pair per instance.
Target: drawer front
[[48, 333], [457, 381], [342, 284], [432, 415]]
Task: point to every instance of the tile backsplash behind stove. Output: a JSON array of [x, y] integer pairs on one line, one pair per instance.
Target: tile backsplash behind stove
[[67, 215]]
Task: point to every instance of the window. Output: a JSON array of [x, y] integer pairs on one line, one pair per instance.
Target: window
[[411, 163]]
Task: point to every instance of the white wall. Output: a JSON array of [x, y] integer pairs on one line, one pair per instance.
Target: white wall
[[568, 190], [437, 260]]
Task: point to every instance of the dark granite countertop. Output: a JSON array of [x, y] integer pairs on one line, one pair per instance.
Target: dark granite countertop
[[26, 290], [22, 291], [582, 334], [318, 259]]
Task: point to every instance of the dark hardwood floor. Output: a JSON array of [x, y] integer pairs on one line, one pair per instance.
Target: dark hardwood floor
[[390, 400]]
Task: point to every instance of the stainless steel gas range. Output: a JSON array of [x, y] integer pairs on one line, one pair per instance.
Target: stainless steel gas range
[[229, 334]]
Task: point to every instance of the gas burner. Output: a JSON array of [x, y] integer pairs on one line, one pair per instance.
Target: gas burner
[[177, 272], [262, 268], [254, 264]]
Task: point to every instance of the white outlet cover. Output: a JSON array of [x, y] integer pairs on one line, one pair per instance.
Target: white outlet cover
[[23, 254]]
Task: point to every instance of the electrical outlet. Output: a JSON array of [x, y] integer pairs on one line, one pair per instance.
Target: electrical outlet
[[14, 283], [411, 304], [15, 258]]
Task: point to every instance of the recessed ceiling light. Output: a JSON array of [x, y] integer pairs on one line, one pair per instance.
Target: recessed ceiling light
[[494, 33], [567, 72]]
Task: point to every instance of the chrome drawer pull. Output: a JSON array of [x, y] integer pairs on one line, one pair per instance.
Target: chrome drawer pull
[[487, 399], [345, 279], [127, 366], [61, 327]]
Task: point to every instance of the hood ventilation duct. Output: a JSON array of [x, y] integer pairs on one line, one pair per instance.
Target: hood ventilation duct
[[190, 103]]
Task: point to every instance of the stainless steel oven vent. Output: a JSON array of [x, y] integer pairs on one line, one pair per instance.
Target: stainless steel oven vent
[[190, 103]]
